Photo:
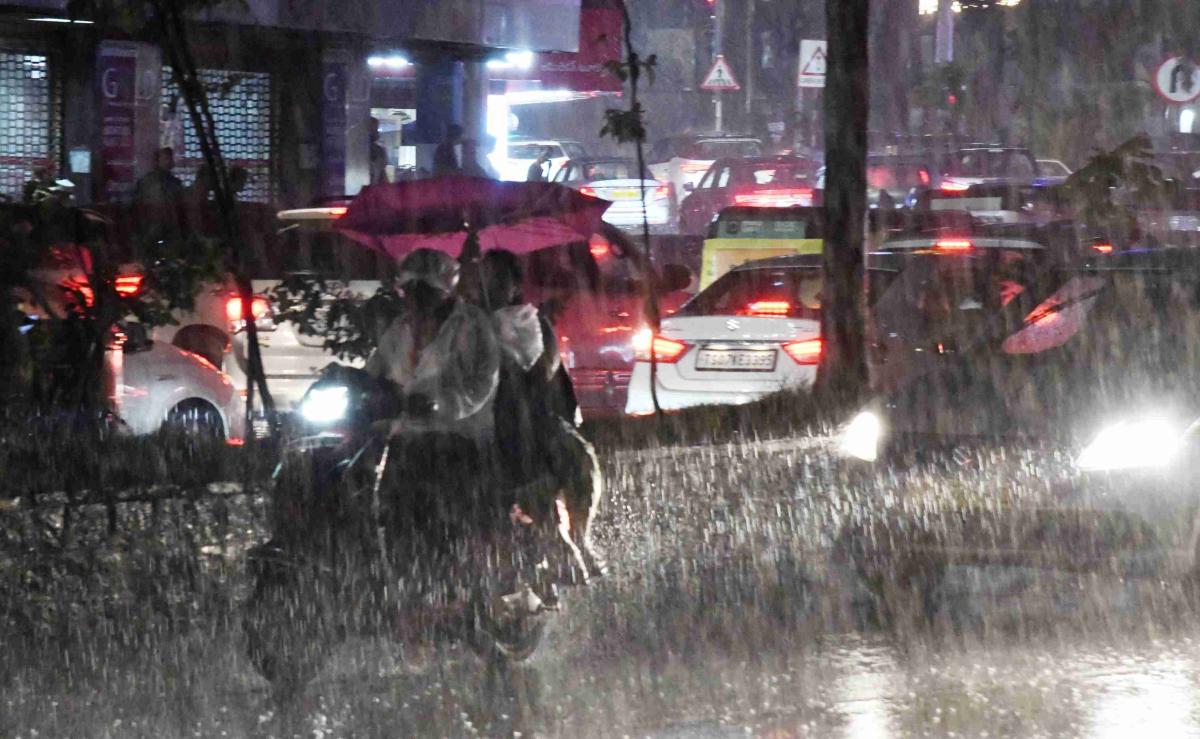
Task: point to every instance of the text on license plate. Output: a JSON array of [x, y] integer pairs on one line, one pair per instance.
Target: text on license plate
[[746, 360], [624, 194]]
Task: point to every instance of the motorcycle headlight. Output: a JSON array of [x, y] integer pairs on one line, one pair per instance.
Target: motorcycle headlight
[[860, 438], [1127, 445], [325, 404]]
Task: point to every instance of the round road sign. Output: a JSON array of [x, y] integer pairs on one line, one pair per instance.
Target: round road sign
[[1173, 81]]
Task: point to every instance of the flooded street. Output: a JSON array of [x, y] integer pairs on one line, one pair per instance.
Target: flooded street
[[723, 617]]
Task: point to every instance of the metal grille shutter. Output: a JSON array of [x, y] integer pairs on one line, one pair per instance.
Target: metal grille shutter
[[241, 107], [28, 123]]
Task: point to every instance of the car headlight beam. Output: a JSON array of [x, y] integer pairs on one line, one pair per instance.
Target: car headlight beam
[[860, 439], [325, 404], [1125, 445]]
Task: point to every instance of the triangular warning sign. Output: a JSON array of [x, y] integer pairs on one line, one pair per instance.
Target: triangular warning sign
[[815, 64], [720, 77]]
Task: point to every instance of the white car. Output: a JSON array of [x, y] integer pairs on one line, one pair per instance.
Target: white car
[[524, 152], [158, 385], [683, 160], [754, 331], [616, 180]]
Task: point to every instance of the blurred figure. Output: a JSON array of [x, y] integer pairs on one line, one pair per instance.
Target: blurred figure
[[379, 158], [537, 171], [475, 162], [158, 200], [448, 156]]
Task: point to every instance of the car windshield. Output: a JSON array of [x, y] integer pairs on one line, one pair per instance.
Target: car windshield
[[791, 292], [719, 149], [991, 163]]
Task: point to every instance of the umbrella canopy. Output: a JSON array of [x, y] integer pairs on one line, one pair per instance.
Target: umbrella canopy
[[438, 213]]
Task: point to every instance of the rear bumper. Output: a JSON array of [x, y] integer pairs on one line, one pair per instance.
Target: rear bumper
[[628, 216], [676, 392]]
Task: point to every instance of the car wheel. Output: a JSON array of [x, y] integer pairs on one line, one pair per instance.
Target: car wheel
[[196, 417]]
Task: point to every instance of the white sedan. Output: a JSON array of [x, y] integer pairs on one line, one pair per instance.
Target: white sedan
[[157, 385], [753, 332], [616, 180]]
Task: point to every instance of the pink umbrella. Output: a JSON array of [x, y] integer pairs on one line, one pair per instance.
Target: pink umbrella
[[439, 213]]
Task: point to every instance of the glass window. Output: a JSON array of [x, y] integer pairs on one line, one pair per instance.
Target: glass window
[[531, 151], [707, 180], [794, 292], [573, 150], [723, 177], [719, 149], [782, 174]]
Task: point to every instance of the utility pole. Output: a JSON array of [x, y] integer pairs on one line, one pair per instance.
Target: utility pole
[[750, 61], [944, 42], [719, 44]]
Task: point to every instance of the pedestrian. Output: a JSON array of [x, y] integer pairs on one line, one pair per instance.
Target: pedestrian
[[537, 170], [475, 163], [379, 157], [447, 157], [158, 200]]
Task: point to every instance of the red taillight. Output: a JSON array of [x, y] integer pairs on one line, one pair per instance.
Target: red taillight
[[953, 186], [666, 350], [953, 245], [769, 308], [807, 351], [587, 190], [128, 285], [259, 307], [1103, 248], [600, 249], [924, 175], [662, 191], [338, 211], [774, 198]]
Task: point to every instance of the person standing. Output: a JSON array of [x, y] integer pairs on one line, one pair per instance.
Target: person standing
[[158, 200], [537, 170], [379, 156], [448, 156]]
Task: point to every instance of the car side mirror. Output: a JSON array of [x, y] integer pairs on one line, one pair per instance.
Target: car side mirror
[[688, 187], [674, 277], [137, 338]]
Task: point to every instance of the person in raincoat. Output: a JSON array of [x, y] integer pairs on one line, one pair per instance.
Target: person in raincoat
[[535, 414], [442, 359]]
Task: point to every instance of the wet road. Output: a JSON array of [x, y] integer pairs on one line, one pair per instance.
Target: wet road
[[723, 618]]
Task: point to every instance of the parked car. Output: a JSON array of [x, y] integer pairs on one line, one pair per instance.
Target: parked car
[[779, 182], [522, 152], [160, 386], [682, 160], [1103, 368], [616, 180], [1053, 168]]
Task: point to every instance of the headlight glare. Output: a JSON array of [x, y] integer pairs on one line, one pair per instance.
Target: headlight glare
[[325, 404], [1129, 445], [860, 439]]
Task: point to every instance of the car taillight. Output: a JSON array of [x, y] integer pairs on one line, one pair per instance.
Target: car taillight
[[662, 191], [667, 351], [260, 308], [599, 249], [587, 190], [338, 211], [1103, 248], [953, 245], [128, 285], [769, 308], [807, 351], [775, 198], [924, 175], [954, 186]]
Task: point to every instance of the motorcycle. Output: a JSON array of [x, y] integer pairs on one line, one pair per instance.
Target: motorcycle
[[346, 558]]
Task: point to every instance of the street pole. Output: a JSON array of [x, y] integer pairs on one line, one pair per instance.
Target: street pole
[[944, 42], [750, 61], [719, 43]]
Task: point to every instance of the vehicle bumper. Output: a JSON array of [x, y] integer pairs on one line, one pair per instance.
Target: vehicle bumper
[[626, 216], [676, 392]]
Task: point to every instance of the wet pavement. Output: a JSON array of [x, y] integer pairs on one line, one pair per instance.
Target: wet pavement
[[724, 617]]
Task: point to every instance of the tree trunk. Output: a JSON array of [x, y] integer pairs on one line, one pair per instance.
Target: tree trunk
[[842, 374]]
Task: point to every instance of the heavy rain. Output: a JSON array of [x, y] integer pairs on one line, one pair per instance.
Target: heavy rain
[[599, 368]]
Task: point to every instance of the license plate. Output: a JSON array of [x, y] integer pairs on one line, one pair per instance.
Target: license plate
[[747, 360], [624, 194], [1184, 223]]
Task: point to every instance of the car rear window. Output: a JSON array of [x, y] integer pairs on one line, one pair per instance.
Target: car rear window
[[991, 163], [791, 292], [721, 149], [896, 175], [790, 173], [319, 250], [610, 170], [531, 151]]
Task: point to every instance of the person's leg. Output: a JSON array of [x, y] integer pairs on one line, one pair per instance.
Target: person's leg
[[581, 493]]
